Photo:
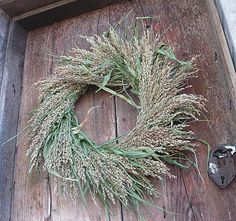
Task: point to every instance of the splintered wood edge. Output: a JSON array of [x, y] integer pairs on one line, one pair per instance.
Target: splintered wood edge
[[227, 59], [56, 11]]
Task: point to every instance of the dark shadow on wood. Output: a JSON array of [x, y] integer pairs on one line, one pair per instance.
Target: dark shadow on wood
[[58, 11]]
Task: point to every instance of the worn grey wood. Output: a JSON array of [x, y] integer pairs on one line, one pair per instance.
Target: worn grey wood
[[227, 12], [18, 7], [59, 11], [4, 26], [34, 14], [9, 108]]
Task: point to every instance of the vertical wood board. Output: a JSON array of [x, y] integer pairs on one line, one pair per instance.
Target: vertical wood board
[[189, 30], [100, 121]]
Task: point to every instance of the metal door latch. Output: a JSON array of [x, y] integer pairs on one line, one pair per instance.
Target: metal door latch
[[222, 166]]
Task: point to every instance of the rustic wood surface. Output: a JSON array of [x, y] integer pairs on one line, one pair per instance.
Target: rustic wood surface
[[188, 27], [228, 66], [227, 12], [57, 11], [31, 199], [4, 27], [18, 7], [101, 120], [9, 109]]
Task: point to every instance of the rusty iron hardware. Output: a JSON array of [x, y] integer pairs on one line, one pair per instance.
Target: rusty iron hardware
[[222, 166]]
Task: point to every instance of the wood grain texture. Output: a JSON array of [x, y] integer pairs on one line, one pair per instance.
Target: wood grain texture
[[100, 124], [191, 33], [173, 189], [31, 199], [9, 109], [190, 27], [228, 66], [18, 7], [125, 114], [227, 12], [50, 14], [4, 27]]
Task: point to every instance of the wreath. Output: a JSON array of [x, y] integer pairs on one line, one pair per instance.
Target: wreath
[[121, 169]]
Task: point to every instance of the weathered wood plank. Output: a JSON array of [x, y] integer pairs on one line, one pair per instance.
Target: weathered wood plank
[[4, 27], [125, 114], [99, 129], [191, 33], [17, 7], [188, 27], [227, 12], [227, 63], [9, 109], [100, 124], [31, 199], [173, 189], [58, 11]]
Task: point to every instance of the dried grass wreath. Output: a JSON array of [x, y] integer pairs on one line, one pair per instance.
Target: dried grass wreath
[[115, 171]]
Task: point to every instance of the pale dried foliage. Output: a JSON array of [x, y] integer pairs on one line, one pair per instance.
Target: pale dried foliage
[[115, 171]]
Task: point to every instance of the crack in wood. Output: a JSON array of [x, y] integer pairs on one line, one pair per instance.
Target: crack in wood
[[10, 103], [189, 199], [164, 211], [49, 217]]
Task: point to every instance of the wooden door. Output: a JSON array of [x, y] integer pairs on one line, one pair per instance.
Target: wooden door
[[187, 26]]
